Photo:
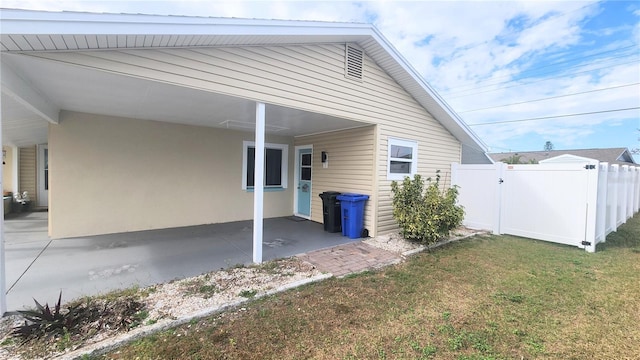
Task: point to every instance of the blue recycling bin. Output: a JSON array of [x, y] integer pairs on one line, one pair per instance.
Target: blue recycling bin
[[352, 206]]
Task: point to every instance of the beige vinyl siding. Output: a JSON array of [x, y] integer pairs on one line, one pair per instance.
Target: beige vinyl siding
[[27, 172], [350, 169], [309, 78], [434, 153], [117, 174], [303, 77]]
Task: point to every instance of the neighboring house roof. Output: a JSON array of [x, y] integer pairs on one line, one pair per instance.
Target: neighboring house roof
[[620, 156], [28, 31]]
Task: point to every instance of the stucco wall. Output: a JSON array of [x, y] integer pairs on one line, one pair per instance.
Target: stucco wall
[[113, 174]]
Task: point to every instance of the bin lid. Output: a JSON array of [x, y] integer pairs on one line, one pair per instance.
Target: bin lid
[[329, 194], [353, 197]]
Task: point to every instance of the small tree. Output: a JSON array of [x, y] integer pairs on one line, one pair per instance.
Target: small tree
[[517, 159], [548, 146], [428, 215], [636, 151], [513, 159]]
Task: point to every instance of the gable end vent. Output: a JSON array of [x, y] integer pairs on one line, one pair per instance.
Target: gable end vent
[[353, 62]]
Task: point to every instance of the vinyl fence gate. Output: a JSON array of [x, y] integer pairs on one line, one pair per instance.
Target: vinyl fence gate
[[575, 204]]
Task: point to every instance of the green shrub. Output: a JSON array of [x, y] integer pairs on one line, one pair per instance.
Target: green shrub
[[428, 215]]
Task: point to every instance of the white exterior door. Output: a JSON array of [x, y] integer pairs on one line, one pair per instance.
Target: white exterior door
[[551, 202], [43, 175], [548, 202]]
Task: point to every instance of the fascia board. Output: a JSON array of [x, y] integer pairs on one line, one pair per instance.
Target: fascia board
[[451, 116], [33, 23]]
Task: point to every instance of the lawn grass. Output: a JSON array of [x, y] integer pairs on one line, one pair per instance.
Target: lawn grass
[[494, 297]]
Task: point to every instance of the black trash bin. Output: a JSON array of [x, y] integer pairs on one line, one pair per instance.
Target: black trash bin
[[331, 211]]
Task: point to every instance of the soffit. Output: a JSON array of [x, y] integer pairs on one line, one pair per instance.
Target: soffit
[[90, 91]]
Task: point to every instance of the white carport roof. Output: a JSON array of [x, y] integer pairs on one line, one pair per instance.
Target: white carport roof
[[33, 91]]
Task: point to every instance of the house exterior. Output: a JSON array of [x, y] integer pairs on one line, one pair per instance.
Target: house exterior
[[152, 122], [619, 156]]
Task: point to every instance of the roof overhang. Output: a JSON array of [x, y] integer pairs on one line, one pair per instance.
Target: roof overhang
[[626, 156], [24, 31], [566, 158]]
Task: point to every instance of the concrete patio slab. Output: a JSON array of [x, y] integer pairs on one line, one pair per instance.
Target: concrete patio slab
[[98, 264]]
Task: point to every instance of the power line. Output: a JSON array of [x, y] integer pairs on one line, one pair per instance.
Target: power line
[[555, 117], [498, 147], [585, 57], [472, 87], [625, 51], [551, 15], [549, 98], [552, 74], [535, 81], [562, 71]]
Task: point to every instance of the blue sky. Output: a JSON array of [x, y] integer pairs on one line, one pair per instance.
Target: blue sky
[[497, 63]]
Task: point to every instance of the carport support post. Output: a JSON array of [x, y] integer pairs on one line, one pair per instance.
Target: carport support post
[[3, 275], [258, 184]]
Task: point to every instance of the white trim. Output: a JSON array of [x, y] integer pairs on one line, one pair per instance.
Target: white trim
[[452, 121], [18, 21], [414, 157], [43, 195], [285, 161], [296, 176], [23, 92], [3, 274]]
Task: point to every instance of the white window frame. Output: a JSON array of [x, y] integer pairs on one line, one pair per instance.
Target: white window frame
[[285, 163], [414, 158]]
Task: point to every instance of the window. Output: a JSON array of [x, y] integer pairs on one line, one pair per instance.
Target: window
[[275, 166], [305, 167], [46, 168], [402, 159]]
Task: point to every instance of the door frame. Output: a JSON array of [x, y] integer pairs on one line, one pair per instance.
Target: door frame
[[296, 174], [43, 195]]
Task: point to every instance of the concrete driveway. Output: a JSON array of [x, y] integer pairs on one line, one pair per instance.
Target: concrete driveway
[[39, 268]]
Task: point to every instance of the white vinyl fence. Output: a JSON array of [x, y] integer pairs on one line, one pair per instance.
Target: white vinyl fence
[[576, 204]]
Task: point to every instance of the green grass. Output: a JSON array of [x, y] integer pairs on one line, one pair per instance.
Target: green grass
[[248, 293], [200, 286], [494, 297]]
